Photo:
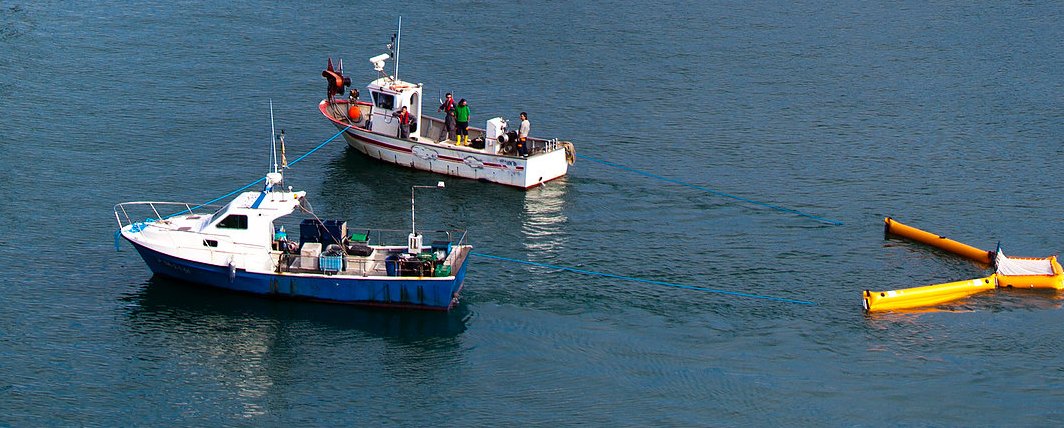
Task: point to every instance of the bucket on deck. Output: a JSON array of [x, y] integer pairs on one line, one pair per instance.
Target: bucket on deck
[[391, 265]]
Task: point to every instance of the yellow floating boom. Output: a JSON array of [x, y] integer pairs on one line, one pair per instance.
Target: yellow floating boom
[[894, 227], [928, 295], [1009, 272]]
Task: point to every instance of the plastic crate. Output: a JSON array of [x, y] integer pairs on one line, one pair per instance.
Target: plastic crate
[[331, 264]]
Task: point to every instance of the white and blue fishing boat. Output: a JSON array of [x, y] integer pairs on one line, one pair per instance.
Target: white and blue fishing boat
[[490, 154], [244, 246]]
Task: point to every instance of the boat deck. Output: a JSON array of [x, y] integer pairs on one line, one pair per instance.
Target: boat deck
[[432, 132], [374, 264]]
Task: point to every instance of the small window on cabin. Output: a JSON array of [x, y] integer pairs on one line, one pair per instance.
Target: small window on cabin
[[234, 221], [384, 101]]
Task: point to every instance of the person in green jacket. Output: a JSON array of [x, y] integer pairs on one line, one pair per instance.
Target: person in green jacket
[[461, 118]]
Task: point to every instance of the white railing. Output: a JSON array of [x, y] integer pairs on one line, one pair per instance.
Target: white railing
[[536, 145], [122, 211]]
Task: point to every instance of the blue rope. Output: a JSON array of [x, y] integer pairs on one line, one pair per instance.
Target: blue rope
[[320, 145], [139, 226], [261, 179], [648, 281], [715, 192]]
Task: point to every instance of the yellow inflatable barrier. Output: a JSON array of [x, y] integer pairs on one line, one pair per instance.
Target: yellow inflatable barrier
[[929, 295], [1029, 272], [894, 227], [1009, 272]]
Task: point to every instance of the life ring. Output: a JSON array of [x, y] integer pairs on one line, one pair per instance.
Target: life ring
[[354, 113]]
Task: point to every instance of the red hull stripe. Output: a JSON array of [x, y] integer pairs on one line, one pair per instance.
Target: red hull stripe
[[407, 150]]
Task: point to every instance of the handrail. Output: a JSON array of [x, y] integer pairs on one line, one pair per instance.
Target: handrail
[[152, 205]]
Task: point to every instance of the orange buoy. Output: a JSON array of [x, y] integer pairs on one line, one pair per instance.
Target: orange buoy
[[354, 113], [894, 227]]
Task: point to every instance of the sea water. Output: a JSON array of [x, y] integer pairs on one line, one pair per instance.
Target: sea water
[[947, 116]]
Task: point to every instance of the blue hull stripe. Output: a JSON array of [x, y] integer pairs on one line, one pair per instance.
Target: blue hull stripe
[[413, 292], [259, 200]]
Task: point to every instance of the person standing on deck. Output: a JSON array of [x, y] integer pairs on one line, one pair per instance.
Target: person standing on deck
[[461, 117], [405, 119], [522, 135], [448, 120]]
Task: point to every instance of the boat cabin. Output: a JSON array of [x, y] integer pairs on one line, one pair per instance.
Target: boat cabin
[[249, 219], [389, 96]]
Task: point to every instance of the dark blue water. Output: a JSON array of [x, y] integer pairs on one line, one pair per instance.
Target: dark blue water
[[948, 116]]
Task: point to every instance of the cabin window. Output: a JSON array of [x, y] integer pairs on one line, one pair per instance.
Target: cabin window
[[210, 243], [384, 101], [234, 221]]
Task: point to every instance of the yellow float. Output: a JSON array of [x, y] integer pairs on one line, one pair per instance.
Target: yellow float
[[893, 227], [928, 295], [1009, 272]]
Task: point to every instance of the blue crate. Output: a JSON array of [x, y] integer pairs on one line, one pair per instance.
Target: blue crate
[[331, 264]]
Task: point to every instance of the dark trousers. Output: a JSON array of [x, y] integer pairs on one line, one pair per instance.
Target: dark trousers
[[449, 126], [522, 146]]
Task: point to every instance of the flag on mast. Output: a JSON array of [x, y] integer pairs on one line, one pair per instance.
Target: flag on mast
[[284, 160]]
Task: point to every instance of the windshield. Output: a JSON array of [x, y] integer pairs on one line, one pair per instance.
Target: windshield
[[215, 214]]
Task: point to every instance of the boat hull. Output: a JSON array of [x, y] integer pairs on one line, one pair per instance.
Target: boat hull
[[406, 292], [429, 155]]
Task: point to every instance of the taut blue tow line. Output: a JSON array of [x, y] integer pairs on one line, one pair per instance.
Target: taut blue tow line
[[648, 281], [264, 178], [715, 192], [118, 232]]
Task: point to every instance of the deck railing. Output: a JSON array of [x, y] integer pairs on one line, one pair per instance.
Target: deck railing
[[124, 217]]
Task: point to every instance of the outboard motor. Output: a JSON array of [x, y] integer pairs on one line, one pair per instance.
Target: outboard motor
[[337, 82]]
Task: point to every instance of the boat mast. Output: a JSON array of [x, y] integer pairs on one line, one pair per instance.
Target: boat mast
[[273, 140], [398, 38]]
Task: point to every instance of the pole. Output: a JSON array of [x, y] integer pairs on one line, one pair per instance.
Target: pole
[[273, 141], [413, 228], [398, 38]]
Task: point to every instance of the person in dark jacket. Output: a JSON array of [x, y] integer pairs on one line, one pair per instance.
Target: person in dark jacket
[[405, 120], [448, 120]]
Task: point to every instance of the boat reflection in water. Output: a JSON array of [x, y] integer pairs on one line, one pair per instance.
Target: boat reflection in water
[[544, 221], [168, 302], [249, 349]]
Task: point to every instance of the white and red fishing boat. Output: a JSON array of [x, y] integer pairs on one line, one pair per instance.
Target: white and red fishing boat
[[490, 153]]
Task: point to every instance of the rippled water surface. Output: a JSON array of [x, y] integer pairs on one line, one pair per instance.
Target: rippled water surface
[[947, 116]]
